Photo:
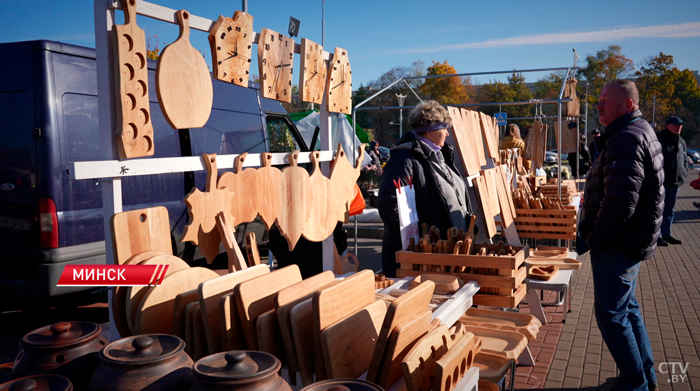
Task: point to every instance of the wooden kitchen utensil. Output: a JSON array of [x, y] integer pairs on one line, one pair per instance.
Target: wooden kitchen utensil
[[226, 304], [136, 294], [251, 249], [342, 180], [490, 211], [544, 273], [210, 293], [474, 121], [256, 296], [508, 344], [349, 343], [444, 284], [525, 324], [296, 201], [155, 312], [267, 330], [561, 263], [419, 363], [226, 230], [134, 129], [463, 142], [140, 230], [453, 365], [405, 307], [179, 305], [492, 367], [337, 302], [202, 208], [242, 184], [303, 335], [183, 83], [321, 221], [189, 327], [269, 191]]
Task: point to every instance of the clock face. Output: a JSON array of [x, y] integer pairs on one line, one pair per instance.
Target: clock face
[[312, 79], [231, 41], [275, 60], [339, 84]]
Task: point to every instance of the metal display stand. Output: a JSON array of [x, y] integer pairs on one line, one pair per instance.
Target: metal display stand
[[111, 172]]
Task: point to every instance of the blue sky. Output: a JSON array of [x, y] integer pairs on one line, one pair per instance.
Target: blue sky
[[472, 36]]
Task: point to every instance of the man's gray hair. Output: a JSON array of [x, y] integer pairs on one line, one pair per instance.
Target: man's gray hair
[[628, 88], [428, 113]]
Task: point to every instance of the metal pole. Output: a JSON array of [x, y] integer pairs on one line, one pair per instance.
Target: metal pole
[[354, 148], [491, 73], [244, 7], [323, 23], [653, 113], [400, 123]]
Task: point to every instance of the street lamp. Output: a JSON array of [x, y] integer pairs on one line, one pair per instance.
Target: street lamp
[[401, 100]]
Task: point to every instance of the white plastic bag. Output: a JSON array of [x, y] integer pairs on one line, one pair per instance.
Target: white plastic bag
[[408, 215]]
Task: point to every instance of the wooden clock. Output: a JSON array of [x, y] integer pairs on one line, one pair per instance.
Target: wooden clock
[[339, 84], [312, 77], [231, 41], [275, 59]]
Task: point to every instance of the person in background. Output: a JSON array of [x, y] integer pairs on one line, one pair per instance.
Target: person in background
[[441, 193], [675, 170], [514, 140], [621, 223], [375, 157], [593, 149], [584, 157]]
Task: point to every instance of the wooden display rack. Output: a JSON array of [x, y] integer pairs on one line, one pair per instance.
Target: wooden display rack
[[508, 280], [546, 223]]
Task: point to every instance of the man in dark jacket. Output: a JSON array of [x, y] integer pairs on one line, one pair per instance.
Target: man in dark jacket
[[621, 224], [675, 171], [375, 158], [441, 194]]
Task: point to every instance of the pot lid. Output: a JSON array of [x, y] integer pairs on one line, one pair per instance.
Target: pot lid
[[61, 335], [38, 383], [142, 349], [343, 385], [236, 365]]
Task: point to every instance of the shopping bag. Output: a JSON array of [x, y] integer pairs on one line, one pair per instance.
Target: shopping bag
[[357, 206], [408, 214]]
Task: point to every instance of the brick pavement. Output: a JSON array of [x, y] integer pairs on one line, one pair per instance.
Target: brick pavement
[[670, 301]]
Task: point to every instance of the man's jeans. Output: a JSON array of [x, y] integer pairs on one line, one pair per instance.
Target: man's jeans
[[670, 201], [620, 319]]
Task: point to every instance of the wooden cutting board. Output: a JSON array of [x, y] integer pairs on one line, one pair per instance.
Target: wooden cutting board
[[251, 249], [402, 339], [460, 133], [322, 221], [401, 310], [257, 296], [236, 261], [269, 191], [155, 312], [183, 83], [203, 207], [507, 190], [419, 363], [286, 299], [136, 294], [490, 135], [296, 201], [243, 186], [120, 294], [140, 230], [490, 178], [189, 327], [490, 211], [210, 293], [336, 302], [473, 123], [179, 314], [200, 340], [267, 330], [453, 365], [303, 336], [348, 344], [134, 129], [343, 178]]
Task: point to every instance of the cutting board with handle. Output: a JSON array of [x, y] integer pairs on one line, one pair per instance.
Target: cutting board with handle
[[155, 312], [336, 302], [453, 365], [296, 202], [179, 306], [120, 294], [303, 336], [269, 190], [321, 221], [342, 180], [348, 344], [257, 296], [183, 83], [401, 340], [463, 142], [243, 185], [202, 208], [267, 330], [136, 294], [134, 129], [286, 299], [236, 261], [401, 310], [210, 293], [140, 230]]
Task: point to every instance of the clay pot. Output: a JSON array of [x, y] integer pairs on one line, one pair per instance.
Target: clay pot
[[70, 349], [38, 383], [342, 385], [239, 370], [144, 362]]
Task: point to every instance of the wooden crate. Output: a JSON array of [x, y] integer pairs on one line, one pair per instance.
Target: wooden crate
[[546, 223], [505, 301]]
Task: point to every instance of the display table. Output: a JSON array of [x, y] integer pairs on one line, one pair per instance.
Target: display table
[[559, 283]]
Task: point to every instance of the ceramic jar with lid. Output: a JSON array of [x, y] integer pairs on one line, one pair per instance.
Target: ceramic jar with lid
[[153, 362], [38, 383], [342, 385], [239, 370], [70, 349]]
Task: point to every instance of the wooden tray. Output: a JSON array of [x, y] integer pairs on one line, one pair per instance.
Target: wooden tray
[[544, 273], [444, 284], [526, 324], [492, 367], [561, 263], [503, 343]]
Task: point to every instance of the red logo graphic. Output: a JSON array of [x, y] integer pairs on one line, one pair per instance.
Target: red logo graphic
[[112, 275]]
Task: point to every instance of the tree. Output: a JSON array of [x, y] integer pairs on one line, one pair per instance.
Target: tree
[[446, 90], [515, 90]]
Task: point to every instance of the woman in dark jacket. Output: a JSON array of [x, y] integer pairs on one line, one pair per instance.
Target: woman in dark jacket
[[441, 194]]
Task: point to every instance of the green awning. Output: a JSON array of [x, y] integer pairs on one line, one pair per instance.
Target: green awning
[[364, 138]]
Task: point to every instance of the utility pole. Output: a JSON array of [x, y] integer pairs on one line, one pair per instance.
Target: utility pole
[[401, 98], [653, 113], [245, 6]]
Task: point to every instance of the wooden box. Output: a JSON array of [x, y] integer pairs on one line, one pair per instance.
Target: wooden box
[[546, 223]]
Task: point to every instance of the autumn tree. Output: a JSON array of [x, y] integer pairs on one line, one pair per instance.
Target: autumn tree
[[446, 90], [514, 90]]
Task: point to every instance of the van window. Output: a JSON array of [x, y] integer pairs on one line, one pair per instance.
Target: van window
[[228, 132], [280, 135]]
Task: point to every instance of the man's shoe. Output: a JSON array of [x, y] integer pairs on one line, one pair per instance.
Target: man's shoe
[[671, 240], [654, 387], [661, 242], [696, 204]]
